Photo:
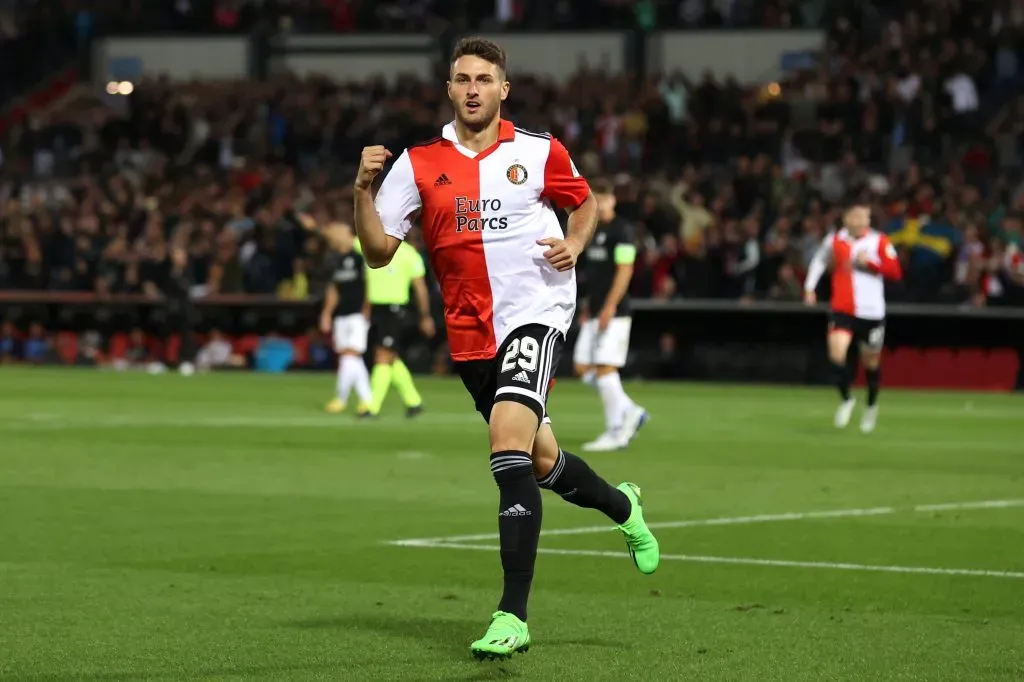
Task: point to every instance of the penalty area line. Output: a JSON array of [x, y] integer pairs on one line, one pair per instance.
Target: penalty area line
[[748, 561]]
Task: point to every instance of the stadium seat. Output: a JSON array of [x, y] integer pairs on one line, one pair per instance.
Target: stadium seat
[[154, 346], [172, 349], [67, 346], [970, 369], [1003, 368], [246, 345], [301, 345], [938, 368], [118, 345], [901, 368]]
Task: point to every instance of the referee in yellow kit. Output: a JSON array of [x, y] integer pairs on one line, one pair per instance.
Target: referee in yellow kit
[[388, 290]]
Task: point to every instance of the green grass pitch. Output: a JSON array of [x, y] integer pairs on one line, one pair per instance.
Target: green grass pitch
[[224, 527]]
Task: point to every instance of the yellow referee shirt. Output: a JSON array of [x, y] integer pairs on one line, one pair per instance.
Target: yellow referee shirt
[[391, 284]]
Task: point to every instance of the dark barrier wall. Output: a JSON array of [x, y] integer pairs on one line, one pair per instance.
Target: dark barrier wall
[[926, 346]]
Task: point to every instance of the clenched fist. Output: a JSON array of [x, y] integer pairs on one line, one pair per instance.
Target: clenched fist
[[370, 164]]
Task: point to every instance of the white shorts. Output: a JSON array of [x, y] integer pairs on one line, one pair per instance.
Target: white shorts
[[608, 348], [351, 332]]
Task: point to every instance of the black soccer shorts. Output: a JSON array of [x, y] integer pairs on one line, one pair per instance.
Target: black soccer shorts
[[522, 371], [389, 324], [868, 333]]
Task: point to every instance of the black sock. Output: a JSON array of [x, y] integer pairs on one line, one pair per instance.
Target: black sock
[[519, 518], [842, 379], [576, 482], [873, 377]]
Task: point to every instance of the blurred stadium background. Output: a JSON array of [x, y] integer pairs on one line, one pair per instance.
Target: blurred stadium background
[[734, 129], [224, 527]]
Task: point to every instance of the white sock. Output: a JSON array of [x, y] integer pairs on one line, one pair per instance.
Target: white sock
[[612, 410], [345, 378], [616, 402], [589, 376], [361, 378]]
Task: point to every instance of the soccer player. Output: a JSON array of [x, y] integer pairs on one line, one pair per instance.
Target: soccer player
[[346, 312], [482, 192], [603, 341], [861, 260], [388, 292]]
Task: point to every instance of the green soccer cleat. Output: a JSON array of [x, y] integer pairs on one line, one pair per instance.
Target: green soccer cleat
[[505, 636], [640, 541]]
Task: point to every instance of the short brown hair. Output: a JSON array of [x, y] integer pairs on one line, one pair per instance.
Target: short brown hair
[[488, 50]]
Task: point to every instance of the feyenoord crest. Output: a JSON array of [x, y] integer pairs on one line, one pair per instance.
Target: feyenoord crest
[[516, 174]]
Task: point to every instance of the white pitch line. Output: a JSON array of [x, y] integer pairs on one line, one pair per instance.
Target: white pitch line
[[985, 504], [749, 561], [730, 520]]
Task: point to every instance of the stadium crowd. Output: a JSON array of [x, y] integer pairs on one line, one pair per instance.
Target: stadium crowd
[[731, 187]]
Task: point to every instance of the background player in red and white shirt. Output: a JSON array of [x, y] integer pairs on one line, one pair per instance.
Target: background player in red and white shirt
[[862, 259], [482, 193]]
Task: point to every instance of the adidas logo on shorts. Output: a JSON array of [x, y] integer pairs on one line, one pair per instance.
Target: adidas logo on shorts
[[522, 377], [516, 510]]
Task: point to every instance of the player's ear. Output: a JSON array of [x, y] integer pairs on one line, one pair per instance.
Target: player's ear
[[504, 90]]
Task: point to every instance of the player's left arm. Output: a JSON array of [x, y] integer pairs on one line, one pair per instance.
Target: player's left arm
[[625, 258], [888, 265], [567, 189]]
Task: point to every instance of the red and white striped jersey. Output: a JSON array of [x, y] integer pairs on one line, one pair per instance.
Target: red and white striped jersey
[[481, 216], [856, 291]]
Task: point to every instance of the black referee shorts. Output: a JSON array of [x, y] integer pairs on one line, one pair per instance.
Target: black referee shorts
[[389, 325]]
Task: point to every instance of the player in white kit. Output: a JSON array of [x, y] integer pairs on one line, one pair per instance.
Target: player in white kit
[[861, 259]]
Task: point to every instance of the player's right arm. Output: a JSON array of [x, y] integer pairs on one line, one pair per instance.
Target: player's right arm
[[819, 263], [330, 303], [383, 224]]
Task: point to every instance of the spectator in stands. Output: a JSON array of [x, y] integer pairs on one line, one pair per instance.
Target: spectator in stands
[[37, 348], [138, 355], [9, 347], [91, 349], [728, 185], [217, 352]]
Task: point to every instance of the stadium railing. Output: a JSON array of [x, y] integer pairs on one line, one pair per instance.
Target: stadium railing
[[926, 346], [748, 55]]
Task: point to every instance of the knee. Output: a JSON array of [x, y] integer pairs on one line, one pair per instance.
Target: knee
[[545, 452], [871, 361], [605, 370], [384, 356], [837, 356], [513, 427], [509, 442], [838, 347]]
